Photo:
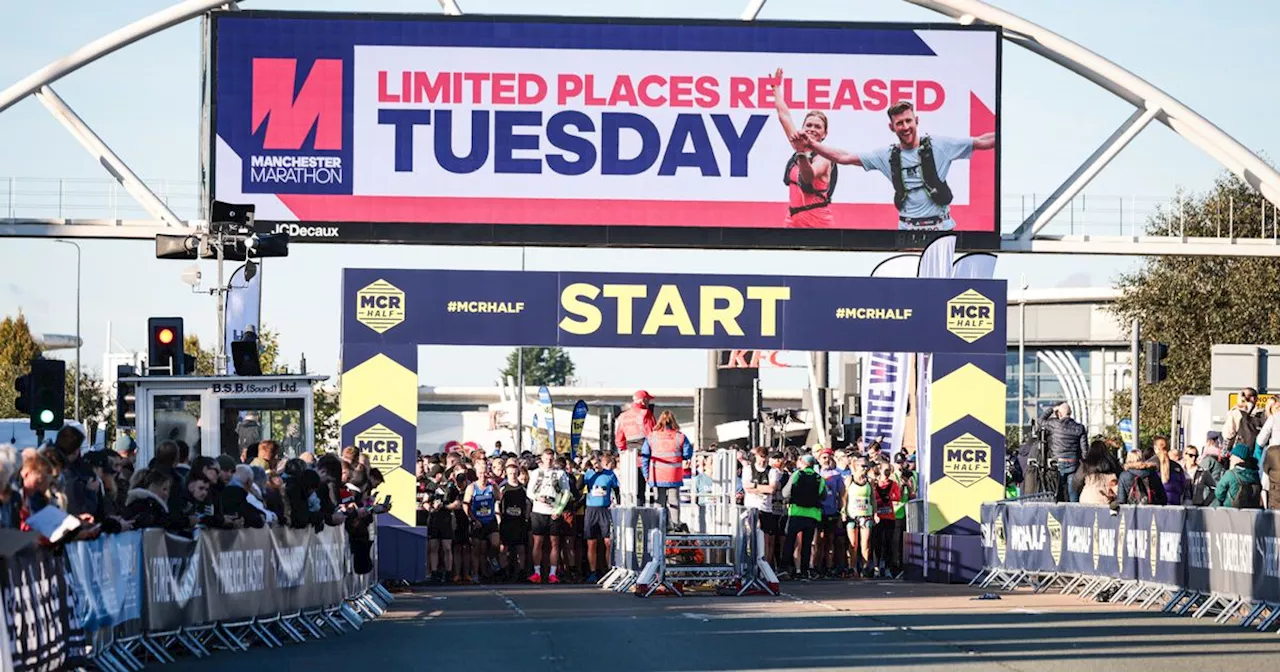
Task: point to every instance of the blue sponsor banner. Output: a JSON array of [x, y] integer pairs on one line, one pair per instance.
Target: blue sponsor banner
[[1156, 544], [634, 310], [548, 415], [1028, 539], [1091, 540], [106, 574]]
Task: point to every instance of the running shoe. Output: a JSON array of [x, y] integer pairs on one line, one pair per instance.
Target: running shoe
[[553, 579], [593, 577], [535, 578]]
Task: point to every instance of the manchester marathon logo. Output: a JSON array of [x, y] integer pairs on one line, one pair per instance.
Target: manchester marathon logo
[[380, 306], [966, 460], [971, 316], [285, 122]]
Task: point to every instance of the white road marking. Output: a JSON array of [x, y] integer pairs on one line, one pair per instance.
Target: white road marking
[[510, 603], [1024, 610]]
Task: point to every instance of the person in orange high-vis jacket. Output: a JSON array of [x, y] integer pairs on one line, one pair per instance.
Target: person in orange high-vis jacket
[[664, 455], [634, 426]]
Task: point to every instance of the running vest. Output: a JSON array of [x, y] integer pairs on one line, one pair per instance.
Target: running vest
[[666, 457], [938, 190], [860, 502], [808, 188], [761, 477], [482, 502], [631, 425], [514, 501]]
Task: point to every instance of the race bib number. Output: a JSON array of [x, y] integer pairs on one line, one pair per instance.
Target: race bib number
[[598, 491], [514, 511]]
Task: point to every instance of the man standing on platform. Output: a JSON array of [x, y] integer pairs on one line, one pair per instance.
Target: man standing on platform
[[634, 426]]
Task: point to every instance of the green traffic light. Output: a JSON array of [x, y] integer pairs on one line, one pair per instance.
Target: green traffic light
[[46, 416]]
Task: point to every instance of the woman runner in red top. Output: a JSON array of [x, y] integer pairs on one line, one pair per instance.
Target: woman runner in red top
[[810, 178]]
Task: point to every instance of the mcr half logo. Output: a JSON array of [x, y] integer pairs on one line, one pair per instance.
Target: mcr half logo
[[291, 118], [380, 306], [383, 446], [971, 316]]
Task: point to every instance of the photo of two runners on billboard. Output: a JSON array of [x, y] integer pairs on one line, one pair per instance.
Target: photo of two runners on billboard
[[416, 129]]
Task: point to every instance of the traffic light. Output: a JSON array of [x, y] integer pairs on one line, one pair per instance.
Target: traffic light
[[126, 397], [164, 347], [835, 422], [22, 385], [1155, 354], [48, 394]]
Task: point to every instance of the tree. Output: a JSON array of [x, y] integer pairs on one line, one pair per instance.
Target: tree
[[17, 348], [204, 358], [1191, 303], [327, 425], [542, 366], [93, 398]]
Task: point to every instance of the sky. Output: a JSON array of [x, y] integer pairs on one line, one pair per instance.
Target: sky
[[144, 102]]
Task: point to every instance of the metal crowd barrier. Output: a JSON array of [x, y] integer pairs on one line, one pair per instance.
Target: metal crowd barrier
[[1214, 563], [121, 601]]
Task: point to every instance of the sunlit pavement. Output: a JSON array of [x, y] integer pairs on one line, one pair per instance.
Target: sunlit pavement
[[889, 625]]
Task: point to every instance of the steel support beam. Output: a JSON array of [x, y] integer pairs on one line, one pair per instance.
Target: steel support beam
[[753, 9], [1086, 172], [1124, 84], [450, 7], [103, 229], [113, 41], [109, 160]]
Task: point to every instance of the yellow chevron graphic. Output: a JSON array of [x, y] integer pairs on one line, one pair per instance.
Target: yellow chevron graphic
[[967, 391], [380, 381], [950, 501], [403, 488]]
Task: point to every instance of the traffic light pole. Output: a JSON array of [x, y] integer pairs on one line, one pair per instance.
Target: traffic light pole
[[220, 359], [1133, 395]]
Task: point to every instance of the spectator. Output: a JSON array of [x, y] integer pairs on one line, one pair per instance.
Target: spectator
[[78, 482], [269, 499], [36, 479], [302, 501], [166, 460], [1244, 422], [1140, 482], [1271, 467], [183, 466], [1068, 441], [1171, 474], [1240, 487], [110, 508], [236, 498], [1199, 490], [1096, 478], [148, 506], [10, 492], [268, 456]]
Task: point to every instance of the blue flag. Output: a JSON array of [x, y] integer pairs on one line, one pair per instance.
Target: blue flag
[[575, 427]]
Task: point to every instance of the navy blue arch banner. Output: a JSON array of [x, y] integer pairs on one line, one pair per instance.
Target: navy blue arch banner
[[638, 310]]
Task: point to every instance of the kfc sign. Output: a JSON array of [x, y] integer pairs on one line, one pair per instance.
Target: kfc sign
[[752, 359]]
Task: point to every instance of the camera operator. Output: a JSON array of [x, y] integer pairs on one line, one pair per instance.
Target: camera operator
[[1068, 440]]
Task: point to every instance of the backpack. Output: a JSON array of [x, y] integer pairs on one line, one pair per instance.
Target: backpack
[[1250, 427], [805, 490], [1139, 491], [1249, 496]]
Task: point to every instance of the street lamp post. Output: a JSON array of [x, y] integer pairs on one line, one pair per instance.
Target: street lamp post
[[79, 341]]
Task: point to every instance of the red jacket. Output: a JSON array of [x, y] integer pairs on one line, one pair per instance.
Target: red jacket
[[634, 425]]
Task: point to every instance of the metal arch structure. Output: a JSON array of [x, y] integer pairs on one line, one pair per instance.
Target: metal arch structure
[[1150, 103]]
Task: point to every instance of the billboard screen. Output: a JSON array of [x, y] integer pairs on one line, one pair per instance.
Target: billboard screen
[[501, 130]]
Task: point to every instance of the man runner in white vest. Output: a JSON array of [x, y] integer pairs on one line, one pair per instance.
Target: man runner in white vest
[[917, 167]]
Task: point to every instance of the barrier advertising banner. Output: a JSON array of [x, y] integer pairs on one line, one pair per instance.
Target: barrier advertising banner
[[107, 576], [635, 310], [238, 574], [1207, 550], [430, 129], [39, 614]]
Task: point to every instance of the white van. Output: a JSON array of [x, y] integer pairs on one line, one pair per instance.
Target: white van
[[18, 432]]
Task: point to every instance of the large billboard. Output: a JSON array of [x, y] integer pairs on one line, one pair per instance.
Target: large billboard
[[501, 130]]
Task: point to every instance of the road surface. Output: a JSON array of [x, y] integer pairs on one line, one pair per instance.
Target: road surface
[[881, 625]]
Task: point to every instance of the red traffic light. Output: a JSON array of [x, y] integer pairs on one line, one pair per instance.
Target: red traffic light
[[165, 336]]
